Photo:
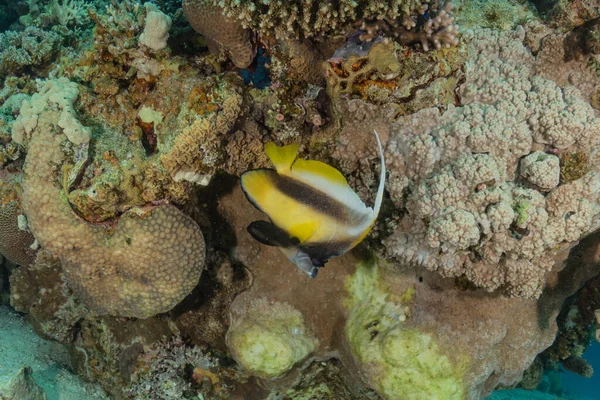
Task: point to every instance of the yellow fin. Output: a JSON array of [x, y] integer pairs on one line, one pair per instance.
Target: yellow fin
[[320, 169], [281, 157], [303, 231]]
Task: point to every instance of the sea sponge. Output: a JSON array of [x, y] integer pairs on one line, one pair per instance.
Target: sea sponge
[[141, 266], [156, 30], [15, 240], [270, 338]]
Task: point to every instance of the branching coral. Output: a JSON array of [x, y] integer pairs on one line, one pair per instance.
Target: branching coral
[[315, 17], [142, 266]]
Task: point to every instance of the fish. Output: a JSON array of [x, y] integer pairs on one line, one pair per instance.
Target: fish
[[314, 215]]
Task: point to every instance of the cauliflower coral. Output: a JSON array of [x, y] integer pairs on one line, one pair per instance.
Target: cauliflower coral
[[481, 183]]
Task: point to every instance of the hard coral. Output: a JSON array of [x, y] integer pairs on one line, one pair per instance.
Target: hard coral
[[314, 18], [506, 228], [220, 30], [28, 49], [195, 152], [15, 239], [142, 266]]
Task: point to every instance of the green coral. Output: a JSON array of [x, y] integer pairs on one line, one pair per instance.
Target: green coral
[[399, 360], [521, 208], [270, 339]]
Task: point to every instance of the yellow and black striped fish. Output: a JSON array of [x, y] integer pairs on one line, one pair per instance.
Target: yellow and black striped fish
[[315, 215]]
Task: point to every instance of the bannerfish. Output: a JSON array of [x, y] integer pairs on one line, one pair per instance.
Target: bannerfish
[[314, 214]]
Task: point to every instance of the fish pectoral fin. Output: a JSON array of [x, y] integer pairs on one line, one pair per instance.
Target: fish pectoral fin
[[320, 169], [281, 157], [270, 235], [303, 231]]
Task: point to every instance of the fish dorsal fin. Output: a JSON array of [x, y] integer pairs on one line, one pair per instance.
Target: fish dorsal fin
[[303, 231], [282, 157], [319, 168]]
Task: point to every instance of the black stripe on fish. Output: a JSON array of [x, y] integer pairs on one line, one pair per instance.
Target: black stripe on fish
[[311, 197]]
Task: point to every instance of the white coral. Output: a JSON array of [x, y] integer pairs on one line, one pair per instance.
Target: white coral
[[468, 210], [541, 169]]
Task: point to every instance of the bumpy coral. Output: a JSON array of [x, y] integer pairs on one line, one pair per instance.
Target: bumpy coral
[[61, 94], [15, 240], [456, 173], [270, 338], [142, 266], [220, 30]]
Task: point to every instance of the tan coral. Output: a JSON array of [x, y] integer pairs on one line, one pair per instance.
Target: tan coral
[[220, 30], [144, 265], [15, 240], [197, 152]]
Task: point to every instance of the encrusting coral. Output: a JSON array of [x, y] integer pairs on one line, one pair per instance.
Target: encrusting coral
[[142, 266]]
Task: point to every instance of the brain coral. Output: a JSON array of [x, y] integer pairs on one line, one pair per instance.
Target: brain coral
[[142, 265], [480, 183], [14, 242]]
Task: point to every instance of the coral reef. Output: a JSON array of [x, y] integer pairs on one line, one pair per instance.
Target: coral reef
[[124, 128]]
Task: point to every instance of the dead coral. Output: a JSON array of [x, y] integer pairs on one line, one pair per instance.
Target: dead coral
[[348, 76]]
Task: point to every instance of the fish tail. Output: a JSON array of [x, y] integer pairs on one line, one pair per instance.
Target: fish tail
[[380, 190], [282, 157]]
